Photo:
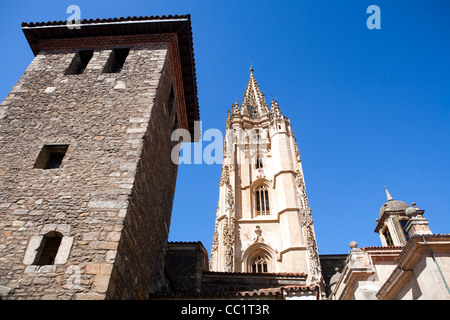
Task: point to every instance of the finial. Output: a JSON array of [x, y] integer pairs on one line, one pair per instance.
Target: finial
[[353, 244], [235, 108], [389, 197], [251, 68]]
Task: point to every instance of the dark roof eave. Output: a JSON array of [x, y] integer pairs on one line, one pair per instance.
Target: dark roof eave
[[108, 20]]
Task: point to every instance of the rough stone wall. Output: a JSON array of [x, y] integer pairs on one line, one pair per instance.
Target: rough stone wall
[[115, 127], [185, 264], [142, 248]]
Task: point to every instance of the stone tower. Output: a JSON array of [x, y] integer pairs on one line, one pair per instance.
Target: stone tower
[[86, 177], [263, 219]]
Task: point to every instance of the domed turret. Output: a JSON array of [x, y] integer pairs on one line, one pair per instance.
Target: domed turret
[[394, 205], [391, 227]]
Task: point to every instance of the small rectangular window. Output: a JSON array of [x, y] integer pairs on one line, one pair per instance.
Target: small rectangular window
[[48, 249], [170, 101], [79, 62], [51, 156], [116, 60]]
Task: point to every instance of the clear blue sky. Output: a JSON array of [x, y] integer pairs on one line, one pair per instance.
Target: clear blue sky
[[369, 108]]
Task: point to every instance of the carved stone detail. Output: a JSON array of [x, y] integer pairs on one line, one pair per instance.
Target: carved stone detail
[[214, 246], [229, 241], [224, 176], [307, 223], [258, 235]]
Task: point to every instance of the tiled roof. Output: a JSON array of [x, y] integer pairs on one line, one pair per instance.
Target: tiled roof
[[184, 242], [277, 291], [268, 274], [108, 20], [384, 248]]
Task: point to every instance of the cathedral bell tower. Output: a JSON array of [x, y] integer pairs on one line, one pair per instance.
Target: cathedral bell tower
[[263, 220]]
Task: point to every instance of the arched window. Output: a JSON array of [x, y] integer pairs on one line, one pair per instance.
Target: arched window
[[48, 249], [259, 264], [262, 200], [259, 163], [388, 237], [259, 258]]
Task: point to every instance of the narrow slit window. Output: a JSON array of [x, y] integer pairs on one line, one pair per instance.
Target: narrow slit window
[[48, 249], [170, 109], [79, 62], [51, 156], [116, 60], [175, 123], [259, 163], [170, 101]]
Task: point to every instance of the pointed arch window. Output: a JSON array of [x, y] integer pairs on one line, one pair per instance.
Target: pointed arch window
[[262, 200], [259, 264]]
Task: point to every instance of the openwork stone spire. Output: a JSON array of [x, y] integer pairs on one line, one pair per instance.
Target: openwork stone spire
[[254, 103]]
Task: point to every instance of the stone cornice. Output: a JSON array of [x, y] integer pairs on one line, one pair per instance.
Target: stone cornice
[[387, 213], [407, 260]]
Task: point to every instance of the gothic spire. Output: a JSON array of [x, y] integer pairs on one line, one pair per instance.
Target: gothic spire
[[254, 103]]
